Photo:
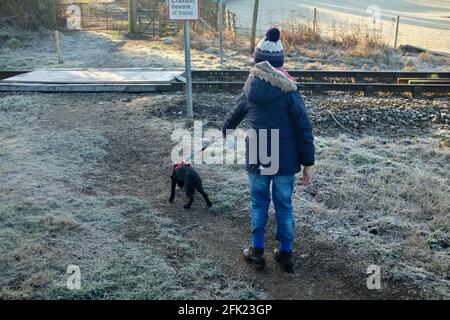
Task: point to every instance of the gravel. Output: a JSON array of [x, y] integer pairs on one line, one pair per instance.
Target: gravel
[[381, 115]]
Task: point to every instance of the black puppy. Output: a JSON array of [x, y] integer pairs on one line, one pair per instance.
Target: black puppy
[[186, 177]]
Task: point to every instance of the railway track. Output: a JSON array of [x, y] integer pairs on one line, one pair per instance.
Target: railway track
[[317, 76], [315, 82], [318, 82]]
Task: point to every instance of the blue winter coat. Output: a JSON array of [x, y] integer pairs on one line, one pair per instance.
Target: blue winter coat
[[271, 101]]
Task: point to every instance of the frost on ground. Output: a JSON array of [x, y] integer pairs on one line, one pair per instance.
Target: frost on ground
[[384, 189], [380, 191], [50, 219], [20, 50], [389, 199], [32, 50]]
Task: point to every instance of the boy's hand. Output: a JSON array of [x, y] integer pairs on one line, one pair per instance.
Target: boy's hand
[[307, 175]]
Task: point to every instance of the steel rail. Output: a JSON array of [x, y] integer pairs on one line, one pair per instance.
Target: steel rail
[[233, 80], [316, 75], [320, 87]]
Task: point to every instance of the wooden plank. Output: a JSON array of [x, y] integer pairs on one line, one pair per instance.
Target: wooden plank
[[88, 88], [96, 76]]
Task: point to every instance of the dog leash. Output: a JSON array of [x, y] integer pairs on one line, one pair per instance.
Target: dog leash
[[186, 161]]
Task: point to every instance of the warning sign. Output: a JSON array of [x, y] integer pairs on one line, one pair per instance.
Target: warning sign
[[187, 10]]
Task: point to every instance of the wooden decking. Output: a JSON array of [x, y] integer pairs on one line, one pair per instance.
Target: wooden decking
[[92, 80]]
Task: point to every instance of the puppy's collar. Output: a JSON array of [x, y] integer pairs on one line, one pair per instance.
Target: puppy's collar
[[181, 164]]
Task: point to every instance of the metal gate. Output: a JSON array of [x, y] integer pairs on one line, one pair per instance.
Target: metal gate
[[98, 15], [152, 16], [109, 15]]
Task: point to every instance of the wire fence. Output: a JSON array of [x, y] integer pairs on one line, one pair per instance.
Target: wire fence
[[83, 15], [27, 14], [79, 16], [418, 30]]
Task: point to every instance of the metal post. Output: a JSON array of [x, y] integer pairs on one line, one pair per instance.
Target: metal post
[[54, 14], [58, 47], [234, 24], [396, 32], [135, 16], [254, 22], [81, 17], [221, 31], [187, 56], [132, 16], [315, 21]]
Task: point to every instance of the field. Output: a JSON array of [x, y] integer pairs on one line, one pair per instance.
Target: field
[[85, 181], [25, 50], [422, 23], [85, 178]]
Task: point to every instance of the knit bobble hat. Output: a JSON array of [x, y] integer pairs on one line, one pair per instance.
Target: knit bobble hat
[[270, 49]]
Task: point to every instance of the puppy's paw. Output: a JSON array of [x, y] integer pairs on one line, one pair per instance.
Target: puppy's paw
[[187, 206], [209, 205], [170, 200]]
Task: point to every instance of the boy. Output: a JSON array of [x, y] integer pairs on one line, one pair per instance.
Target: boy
[[271, 101]]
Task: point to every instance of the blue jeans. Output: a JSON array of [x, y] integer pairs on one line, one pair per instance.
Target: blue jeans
[[282, 189]]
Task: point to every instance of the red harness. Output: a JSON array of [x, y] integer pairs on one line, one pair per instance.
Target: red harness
[[182, 164]]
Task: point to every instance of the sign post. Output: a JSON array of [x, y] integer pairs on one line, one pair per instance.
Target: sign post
[[186, 10], [221, 31], [187, 59], [132, 16]]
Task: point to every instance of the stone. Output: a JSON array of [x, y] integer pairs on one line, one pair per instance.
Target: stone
[[168, 41]]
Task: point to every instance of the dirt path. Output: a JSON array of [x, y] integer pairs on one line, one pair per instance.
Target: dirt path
[[138, 164]]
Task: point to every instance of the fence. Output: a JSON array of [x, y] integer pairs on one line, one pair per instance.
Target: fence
[[79, 16], [393, 27], [209, 12], [27, 14], [151, 16]]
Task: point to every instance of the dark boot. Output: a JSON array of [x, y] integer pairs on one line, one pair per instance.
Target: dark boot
[[285, 259], [255, 257]]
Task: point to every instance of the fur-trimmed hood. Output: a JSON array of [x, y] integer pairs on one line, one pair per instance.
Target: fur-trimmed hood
[[266, 84], [266, 72]]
